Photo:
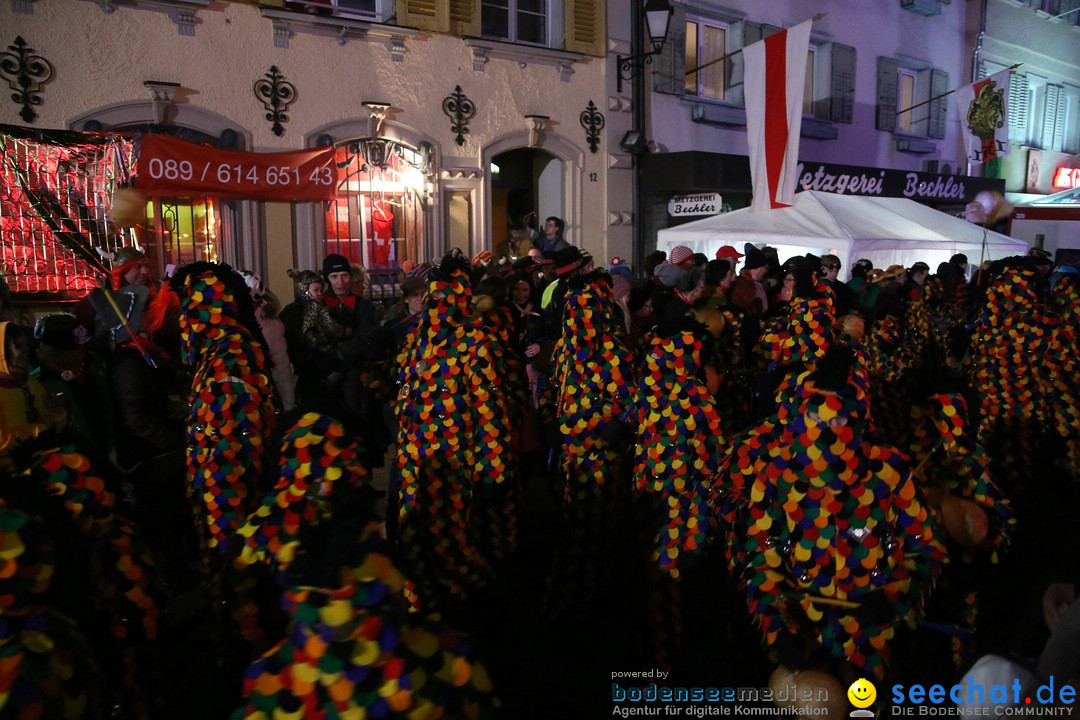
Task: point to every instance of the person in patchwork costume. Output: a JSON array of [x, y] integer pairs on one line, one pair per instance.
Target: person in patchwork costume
[[829, 540], [453, 436], [679, 446], [592, 381], [353, 646], [231, 400]]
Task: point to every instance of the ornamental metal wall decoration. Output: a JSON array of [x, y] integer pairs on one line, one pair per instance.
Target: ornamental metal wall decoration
[[276, 95], [25, 73], [593, 122], [460, 110]]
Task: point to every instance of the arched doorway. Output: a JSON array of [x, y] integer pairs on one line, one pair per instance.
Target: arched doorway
[[544, 179], [526, 187]]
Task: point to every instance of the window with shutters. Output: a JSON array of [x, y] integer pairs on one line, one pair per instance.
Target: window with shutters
[[911, 98], [523, 21], [906, 85], [705, 43], [1070, 104]]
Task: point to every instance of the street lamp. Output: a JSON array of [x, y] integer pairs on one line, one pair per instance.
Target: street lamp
[[657, 19]]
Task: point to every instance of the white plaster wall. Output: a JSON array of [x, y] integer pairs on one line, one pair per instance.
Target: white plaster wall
[[101, 59]]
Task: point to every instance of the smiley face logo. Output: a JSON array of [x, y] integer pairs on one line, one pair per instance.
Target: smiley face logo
[[862, 693]]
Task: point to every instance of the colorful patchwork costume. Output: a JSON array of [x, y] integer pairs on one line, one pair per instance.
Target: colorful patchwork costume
[[592, 381], [679, 446], [453, 435], [829, 541], [353, 647]]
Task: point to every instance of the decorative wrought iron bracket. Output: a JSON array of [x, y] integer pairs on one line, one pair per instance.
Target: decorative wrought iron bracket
[[630, 66], [276, 94], [25, 73], [593, 122], [460, 110]]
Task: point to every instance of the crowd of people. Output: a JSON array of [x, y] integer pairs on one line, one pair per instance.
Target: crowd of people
[[864, 478]]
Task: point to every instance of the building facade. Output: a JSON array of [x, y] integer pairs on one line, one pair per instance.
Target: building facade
[[452, 119]]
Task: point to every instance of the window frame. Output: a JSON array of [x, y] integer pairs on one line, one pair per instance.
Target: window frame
[[512, 30], [702, 21]]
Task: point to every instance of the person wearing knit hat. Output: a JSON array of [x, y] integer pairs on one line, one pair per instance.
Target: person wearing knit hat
[[747, 292], [335, 263], [619, 267], [679, 261]]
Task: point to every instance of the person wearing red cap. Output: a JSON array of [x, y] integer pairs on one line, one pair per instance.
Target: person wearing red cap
[[727, 252]]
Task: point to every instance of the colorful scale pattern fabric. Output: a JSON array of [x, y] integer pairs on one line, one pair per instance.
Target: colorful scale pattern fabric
[[454, 434], [679, 445], [888, 363], [357, 652], [729, 360], [1064, 369], [801, 333], [592, 381], [121, 568], [232, 411], [951, 461], [828, 515], [46, 668], [316, 454], [1010, 343], [493, 519]]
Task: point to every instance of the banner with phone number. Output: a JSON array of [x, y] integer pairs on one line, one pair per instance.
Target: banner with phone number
[[170, 166]]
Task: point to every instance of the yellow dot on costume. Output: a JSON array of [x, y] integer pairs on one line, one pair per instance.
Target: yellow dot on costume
[[802, 553], [335, 613], [366, 653]]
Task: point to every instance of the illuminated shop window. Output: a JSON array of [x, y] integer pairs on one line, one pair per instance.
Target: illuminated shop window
[[377, 219]]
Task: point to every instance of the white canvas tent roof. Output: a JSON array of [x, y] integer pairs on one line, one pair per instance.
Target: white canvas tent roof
[[886, 231]]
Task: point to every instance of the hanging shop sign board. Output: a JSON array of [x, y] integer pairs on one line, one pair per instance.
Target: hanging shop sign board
[[170, 166], [687, 205]]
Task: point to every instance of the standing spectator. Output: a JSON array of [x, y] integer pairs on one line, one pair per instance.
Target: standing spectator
[[24, 403], [267, 309], [363, 353], [552, 240], [678, 264], [830, 274], [916, 280], [747, 292]]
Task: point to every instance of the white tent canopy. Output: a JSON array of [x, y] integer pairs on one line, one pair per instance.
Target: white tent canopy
[[886, 231]]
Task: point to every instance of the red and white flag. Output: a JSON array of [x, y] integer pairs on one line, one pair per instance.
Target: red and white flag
[[774, 81], [984, 117]]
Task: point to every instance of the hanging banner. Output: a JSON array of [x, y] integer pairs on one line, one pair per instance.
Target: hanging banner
[[984, 117], [170, 166]]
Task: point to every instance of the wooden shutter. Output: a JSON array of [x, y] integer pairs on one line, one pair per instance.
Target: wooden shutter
[[1053, 119], [1018, 108], [431, 15], [842, 82], [740, 35], [585, 25], [939, 106], [465, 17], [669, 67], [886, 93]]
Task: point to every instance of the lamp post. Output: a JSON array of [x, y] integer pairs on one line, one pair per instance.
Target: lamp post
[[656, 14]]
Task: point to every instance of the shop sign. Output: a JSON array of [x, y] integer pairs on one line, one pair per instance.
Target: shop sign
[[170, 166], [851, 180], [686, 205], [1066, 178]]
